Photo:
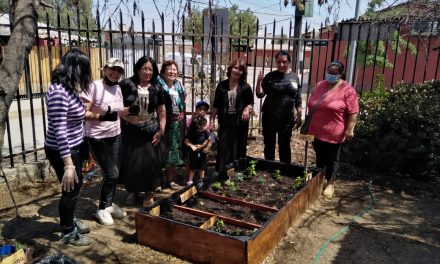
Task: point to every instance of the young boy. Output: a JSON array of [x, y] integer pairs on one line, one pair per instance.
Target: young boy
[[198, 140]]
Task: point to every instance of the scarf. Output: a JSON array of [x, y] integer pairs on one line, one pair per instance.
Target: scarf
[[179, 88]]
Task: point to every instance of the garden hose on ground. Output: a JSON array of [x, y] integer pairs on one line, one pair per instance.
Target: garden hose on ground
[[345, 229]]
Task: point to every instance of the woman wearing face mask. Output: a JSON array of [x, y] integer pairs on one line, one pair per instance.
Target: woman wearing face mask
[[104, 103], [335, 110], [281, 108]]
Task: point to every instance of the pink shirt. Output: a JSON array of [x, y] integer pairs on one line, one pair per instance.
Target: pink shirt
[[101, 96], [330, 119]]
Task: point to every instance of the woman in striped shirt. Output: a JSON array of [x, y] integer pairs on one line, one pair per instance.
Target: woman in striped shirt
[[64, 136]]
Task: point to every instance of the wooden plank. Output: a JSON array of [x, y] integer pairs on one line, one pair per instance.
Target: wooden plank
[[260, 207], [306, 137], [188, 194], [191, 243], [155, 211], [263, 242], [230, 172], [226, 219], [209, 223]]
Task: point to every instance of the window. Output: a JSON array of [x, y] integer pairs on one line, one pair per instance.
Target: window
[[424, 28]]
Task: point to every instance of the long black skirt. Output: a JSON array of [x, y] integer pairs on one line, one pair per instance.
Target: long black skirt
[[140, 160]]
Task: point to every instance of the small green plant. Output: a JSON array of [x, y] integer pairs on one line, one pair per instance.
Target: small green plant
[[297, 182], [251, 168], [277, 175], [239, 176], [216, 186], [219, 225], [261, 179], [231, 185]]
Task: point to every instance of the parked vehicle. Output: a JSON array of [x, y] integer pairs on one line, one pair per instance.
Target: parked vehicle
[[187, 62]]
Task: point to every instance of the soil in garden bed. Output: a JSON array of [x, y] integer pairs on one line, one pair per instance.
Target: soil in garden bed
[[263, 188], [180, 216], [231, 210]]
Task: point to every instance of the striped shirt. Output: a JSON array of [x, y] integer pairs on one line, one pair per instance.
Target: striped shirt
[[66, 113]]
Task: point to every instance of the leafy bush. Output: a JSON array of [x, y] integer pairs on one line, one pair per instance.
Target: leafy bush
[[399, 130]]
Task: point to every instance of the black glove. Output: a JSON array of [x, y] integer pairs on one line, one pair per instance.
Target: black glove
[[134, 109], [109, 115]]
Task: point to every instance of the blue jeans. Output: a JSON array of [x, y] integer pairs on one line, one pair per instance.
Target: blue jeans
[[106, 153], [68, 200]]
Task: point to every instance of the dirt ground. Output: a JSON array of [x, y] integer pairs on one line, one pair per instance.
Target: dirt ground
[[402, 227]]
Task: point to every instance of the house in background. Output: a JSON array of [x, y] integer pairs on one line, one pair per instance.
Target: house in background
[[416, 60]]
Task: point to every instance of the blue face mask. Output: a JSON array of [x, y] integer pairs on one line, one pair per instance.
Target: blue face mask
[[332, 79]]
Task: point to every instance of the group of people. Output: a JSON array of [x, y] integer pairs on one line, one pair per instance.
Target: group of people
[[136, 127]]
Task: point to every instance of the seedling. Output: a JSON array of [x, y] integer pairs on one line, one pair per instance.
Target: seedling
[[219, 225], [297, 182], [231, 185], [261, 180], [216, 186], [251, 168], [277, 175], [239, 176]]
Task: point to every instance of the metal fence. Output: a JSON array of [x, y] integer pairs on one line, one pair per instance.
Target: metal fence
[[210, 52]]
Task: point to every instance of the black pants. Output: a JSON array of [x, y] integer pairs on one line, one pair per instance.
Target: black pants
[[68, 200], [327, 157], [233, 135], [106, 154], [272, 125]]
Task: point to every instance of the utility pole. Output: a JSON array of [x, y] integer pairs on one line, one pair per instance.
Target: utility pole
[[297, 34], [352, 51]]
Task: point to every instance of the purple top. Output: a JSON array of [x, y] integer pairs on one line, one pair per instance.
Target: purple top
[[66, 114]]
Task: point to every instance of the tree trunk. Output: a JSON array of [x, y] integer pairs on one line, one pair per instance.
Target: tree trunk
[[16, 51]]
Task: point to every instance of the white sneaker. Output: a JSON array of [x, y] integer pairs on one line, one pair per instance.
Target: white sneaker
[[329, 191], [104, 216], [116, 211]]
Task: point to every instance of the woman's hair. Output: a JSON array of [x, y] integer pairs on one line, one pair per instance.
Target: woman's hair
[[73, 71], [138, 66], [166, 64], [340, 66], [283, 53], [241, 65]]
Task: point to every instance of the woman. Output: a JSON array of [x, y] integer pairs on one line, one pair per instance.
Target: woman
[[142, 133], [281, 107], [175, 125], [64, 135], [103, 101], [334, 107], [233, 104]]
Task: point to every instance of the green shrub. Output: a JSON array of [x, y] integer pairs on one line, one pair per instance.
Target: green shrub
[[398, 130]]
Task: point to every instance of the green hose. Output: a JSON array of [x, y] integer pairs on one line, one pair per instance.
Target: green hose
[[345, 229]]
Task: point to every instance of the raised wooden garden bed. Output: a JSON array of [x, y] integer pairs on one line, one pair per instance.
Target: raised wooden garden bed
[[222, 225]]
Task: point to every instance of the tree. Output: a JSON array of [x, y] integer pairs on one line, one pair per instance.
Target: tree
[[69, 8], [194, 21], [4, 7], [16, 52]]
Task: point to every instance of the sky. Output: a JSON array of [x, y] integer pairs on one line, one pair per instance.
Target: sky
[[265, 10]]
